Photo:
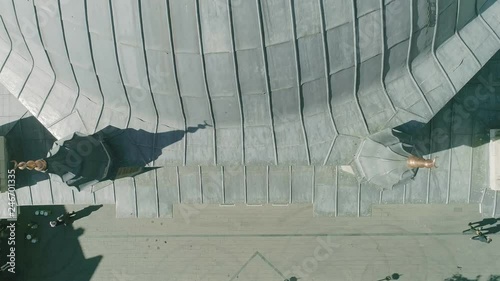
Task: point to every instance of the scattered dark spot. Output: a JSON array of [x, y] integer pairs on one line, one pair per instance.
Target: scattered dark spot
[[165, 242], [157, 248], [156, 240]]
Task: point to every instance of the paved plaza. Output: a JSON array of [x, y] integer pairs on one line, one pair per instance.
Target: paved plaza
[[418, 242]]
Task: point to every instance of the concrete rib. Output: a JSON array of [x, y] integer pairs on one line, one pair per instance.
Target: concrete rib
[[201, 184], [48, 59], [245, 186], [118, 61], [495, 204], [290, 184], [356, 65], [359, 200], [27, 48], [267, 184], [299, 86], [457, 33], [68, 57], [427, 198], [98, 79], [327, 78], [451, 151], [470, 163], [141, 23], [10, 43], [223, 192], [178, 184], [480, 15], [313, 197], [238, 84], [409, 61], [266, 74], [204, 72], [174, 66], [383, 47], [434, 48]]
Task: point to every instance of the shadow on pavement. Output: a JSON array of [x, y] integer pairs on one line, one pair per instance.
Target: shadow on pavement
[[484, 222], [491, 230], [460, 277], [394, 276], [57, 255], [85, 212]]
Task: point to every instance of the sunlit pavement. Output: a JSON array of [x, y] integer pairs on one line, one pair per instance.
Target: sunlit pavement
[[418, 242]]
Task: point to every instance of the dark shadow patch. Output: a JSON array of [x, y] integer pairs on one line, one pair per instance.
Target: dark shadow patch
[[28, 139], [56, 256]]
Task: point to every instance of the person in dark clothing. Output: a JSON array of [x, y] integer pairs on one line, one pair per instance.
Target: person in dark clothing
[[63, 219], [55, 223], [66, 218]]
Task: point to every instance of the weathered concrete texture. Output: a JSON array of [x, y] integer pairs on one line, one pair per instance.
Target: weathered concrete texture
[[284, 87], [278, 81], [245, 243]]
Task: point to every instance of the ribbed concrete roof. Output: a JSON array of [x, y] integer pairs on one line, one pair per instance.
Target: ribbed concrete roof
[[287, 83]]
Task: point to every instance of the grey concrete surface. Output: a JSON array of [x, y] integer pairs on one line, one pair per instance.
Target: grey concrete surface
[[285, 87], [278, 81], [418, 242]]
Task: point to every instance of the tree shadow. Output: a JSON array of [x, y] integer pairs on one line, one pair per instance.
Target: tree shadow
[[56, 256], [28, 139]]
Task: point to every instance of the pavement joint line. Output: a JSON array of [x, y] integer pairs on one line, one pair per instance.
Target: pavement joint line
[[250, 259], [277, 235]]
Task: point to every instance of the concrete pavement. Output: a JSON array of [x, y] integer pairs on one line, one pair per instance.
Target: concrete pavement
[[419, 242]]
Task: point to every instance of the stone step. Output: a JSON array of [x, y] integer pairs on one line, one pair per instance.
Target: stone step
[[488, 203], [243, 185]]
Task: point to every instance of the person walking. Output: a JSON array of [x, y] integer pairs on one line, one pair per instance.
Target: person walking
[[66, 217], [56, 223], [63, 219], [480, 236]]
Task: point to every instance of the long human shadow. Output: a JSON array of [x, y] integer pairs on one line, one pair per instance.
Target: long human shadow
[[138, 148], [492, 230], [28, 139], [485, 222], [85, 212]]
